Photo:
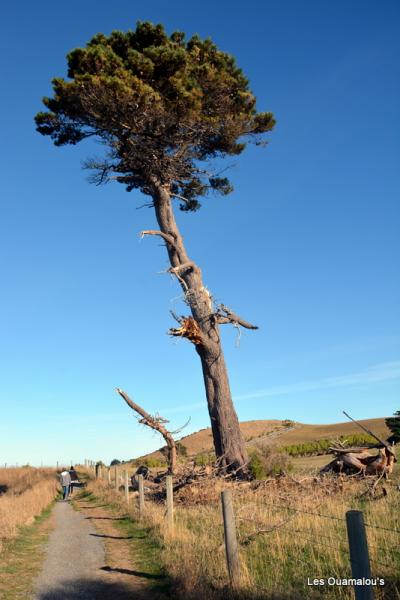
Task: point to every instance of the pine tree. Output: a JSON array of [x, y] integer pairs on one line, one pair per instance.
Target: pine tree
[[394, 425], [162, 107]]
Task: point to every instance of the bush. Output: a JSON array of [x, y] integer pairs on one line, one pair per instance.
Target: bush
[[394, 425], [322, 446], [202, 460], [115, 462], [153, 462], [181, 450], [266, 462]]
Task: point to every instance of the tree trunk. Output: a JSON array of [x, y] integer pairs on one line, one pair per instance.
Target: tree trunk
[[228, 441]]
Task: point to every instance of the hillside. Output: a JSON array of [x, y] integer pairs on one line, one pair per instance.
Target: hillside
[[279, 433]]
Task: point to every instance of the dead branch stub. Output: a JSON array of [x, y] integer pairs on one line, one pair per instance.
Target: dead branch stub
[[155, 423]]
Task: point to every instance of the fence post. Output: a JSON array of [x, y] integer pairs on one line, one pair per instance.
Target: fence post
[[231, 545], [126, 487], [359, 557], [116, 479], [170, 503], [109, 475], [141, 496]]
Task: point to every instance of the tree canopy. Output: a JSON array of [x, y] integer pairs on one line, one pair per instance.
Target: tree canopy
[[160, 104], [394, 425]]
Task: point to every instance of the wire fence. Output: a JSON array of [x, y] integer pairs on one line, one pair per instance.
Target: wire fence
[[278, 543]]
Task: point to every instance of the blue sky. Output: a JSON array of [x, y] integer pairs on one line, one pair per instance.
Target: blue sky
[[307, 246]]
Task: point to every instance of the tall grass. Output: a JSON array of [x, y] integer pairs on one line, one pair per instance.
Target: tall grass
[[25, 493], [288, 532]]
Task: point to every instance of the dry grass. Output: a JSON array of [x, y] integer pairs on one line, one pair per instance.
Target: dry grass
[[25, 493], [274, 432], [304, 536]]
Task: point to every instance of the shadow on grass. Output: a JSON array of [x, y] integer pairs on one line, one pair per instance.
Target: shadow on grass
[[133, 573], [112, 537], [106, 518]]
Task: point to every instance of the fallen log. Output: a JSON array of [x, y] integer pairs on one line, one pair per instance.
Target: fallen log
[[360, 461]]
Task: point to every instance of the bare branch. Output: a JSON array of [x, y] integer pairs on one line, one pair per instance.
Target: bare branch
[[222, 320], [231, 317], [183, 267], [179, 197], [156, 424], [168, 238], [175, 316], [145, 205], [181, 427], [261, 531]]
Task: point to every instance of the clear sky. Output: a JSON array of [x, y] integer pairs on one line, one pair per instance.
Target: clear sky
[[307, 246]]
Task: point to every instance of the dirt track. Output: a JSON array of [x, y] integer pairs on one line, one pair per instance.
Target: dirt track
[[88, 559]]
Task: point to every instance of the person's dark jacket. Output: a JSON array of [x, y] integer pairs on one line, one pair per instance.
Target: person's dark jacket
[[74, 476]]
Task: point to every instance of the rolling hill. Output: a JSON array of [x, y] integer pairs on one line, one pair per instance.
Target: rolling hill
[[278, 433]]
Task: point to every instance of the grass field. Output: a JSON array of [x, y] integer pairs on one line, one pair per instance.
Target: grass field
[[25, 493], [22, 557], [276, 433], [289, 529]]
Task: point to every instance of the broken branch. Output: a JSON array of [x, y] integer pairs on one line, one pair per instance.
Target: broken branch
[[183, 267], [231, 317], [189, 329], [156, 424], [168, 238]]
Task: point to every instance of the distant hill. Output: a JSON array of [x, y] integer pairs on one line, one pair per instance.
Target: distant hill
[[279, 433]]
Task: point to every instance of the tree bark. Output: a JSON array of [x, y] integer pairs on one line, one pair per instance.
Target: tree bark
[[228, 441], [156, 424]]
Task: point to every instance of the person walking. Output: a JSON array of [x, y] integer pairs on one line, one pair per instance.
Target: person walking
[[74, 480], [65, 482]]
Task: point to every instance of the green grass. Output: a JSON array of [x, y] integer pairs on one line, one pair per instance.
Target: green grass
[[145, 549], [21, 560]]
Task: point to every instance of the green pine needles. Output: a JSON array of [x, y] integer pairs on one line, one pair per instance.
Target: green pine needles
[[394, 425], [161, 105]]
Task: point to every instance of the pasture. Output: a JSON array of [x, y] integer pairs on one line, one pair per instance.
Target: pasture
[[24, 493], [290, 530]]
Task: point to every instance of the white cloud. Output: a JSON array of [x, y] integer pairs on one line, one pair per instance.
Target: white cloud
[[388, 371]]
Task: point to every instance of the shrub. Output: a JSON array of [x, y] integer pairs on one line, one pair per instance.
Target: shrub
[[394, 425], [202, 460], [266, 461], [181, 450], [322, 446], [153, 462]]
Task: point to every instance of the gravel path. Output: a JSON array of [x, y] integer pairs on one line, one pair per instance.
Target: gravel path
[[75, 554]]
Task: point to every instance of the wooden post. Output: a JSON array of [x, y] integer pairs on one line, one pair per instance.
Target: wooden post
[[170, 503], [359, 557], [126, 487], [231, 545], [116, 479], [109, 475], [141, 496]]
